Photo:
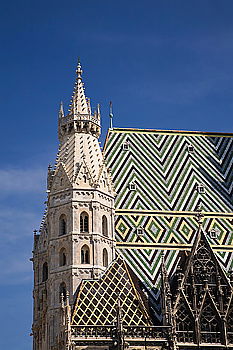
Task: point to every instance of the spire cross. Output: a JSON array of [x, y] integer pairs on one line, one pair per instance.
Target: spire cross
[[111, 115]]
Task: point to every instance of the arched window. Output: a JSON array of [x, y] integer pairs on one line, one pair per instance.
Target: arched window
[[84, 179], [85, 255], [62, 257], [104, 226], [105, 257], [62, 289], [84, 222], [45, 272], [62, 225]]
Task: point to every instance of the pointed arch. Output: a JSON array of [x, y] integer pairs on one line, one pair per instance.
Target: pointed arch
[[104, 226], [211, 272], [84, 222], [105, 257], [62, 225], [85, 254], [62, 257], [185, 324], [210, 322], [45, 272]]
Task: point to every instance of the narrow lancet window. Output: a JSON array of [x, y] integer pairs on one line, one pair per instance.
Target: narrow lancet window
[[62, 225], [105, 257], [84, 222], [85, 255], [45, 272], [62, 257], [104, 226]]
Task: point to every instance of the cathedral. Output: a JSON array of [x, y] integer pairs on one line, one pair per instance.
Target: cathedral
[[135, 247]]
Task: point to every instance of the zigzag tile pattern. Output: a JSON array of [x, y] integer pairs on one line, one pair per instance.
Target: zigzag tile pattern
[[168, 230], [166, 173]]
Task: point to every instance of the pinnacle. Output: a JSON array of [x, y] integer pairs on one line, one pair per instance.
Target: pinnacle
[[61, 110], [79, 104]]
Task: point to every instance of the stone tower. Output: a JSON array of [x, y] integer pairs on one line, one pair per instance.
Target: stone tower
[[76, 238]]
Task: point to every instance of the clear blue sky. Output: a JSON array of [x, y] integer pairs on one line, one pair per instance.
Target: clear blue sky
[[164, 64]]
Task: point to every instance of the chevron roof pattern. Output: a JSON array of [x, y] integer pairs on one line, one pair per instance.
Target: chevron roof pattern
[[166, 172], [162, 179]]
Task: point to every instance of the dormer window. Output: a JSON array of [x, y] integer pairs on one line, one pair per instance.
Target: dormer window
[[190, 149], [200, 188], [139, 231], [213, 233], [132, 186], [125, 146]]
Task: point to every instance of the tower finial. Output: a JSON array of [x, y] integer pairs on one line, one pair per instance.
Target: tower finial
[[79, 69], [111, 115]]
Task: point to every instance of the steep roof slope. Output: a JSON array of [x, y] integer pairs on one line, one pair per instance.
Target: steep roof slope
[[98, 300], [175, 175]]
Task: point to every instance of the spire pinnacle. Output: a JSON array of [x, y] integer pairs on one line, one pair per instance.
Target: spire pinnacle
[[79, 103], [61, 110]]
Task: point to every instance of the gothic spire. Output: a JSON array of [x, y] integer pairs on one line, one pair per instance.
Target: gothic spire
[[79, 118], [79, 103]]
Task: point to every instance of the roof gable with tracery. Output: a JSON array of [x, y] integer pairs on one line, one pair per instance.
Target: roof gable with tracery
[[202, 297]]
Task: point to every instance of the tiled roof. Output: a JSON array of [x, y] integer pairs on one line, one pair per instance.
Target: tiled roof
[[98, 300], [174, 175]]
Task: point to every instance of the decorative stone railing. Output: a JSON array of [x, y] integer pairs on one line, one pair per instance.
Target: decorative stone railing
[[78, 117], [129, 332]]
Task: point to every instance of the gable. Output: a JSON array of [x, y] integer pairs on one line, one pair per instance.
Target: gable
[[60, 180], [98, 300]]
